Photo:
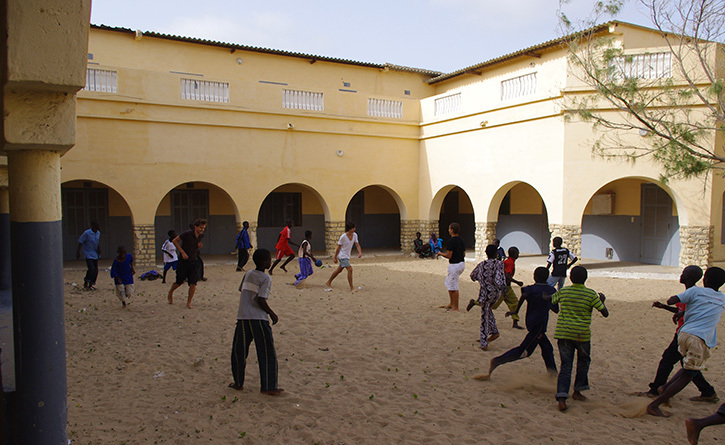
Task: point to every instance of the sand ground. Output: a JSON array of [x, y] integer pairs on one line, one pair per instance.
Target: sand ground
[[382, 365]]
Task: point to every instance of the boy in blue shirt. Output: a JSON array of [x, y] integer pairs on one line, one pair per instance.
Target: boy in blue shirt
[[698, 334], [537, 318], [122, 273]]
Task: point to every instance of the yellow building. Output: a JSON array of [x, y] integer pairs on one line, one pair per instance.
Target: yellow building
[[170, 129]]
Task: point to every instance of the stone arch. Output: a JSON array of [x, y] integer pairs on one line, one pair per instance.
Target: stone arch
[[453, 204], [521, 219], [296, 201], [182, 204], [86, 200], [634, 219], [376, 211]]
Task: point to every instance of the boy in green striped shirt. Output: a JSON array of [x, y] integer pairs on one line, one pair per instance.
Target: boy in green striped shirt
[[573, 333]]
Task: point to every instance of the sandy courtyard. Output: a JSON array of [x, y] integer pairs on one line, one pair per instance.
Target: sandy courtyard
[[383, 365]]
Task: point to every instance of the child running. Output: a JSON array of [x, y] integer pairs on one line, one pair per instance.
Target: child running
[[170, 258], [283, 247], [253, 324], [537, 318], [489, 274], [305, 259], [573, 333], [122, 273], [697, 336], [509, 268], [559, 259], [342, 253], [671, 356]]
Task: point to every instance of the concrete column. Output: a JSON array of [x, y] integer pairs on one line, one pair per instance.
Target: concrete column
[[144, 250], [570, 234], [38, 311], [333, 231], [4, 239], [696, 245], [485, 234], [253, 238], [408, 228]]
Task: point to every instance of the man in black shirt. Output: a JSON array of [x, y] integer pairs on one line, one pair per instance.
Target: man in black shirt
[[456, 255], [188, 245]]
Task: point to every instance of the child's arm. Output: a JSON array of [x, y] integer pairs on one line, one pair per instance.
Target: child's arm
[[359, 250], [604, 311], [673, 300], [262, 302], [337, 251], [659, 305]]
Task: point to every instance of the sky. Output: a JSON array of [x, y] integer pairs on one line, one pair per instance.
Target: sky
[[440, 35]]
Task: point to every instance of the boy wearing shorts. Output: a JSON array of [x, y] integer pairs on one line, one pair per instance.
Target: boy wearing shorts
[[698, 334], [283, 248], [188, 245], [456, 255], [342, 253], [170, 258]]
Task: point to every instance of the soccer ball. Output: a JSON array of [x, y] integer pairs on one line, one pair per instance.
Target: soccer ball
[[318, 263]]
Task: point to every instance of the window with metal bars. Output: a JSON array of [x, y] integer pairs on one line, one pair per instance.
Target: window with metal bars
[[448, 104], [205, 90], [104, 81], [385, 108], [303, 100], [518, 86]]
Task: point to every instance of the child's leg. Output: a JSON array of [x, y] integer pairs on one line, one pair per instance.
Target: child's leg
[[121, 293], [166, 269], [583, 360], [706, 389], [521, 351], [240, 350], [512, 302], [670, 357], [681, 379], [289, 258], [349, 277], [547, 353], [129, 291], [266, 355], [334, 275], [566, 357], [695, 426], [488, 325]]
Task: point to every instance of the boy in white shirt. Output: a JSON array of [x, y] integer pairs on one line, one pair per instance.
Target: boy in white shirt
[[170, 258], [342, 253]]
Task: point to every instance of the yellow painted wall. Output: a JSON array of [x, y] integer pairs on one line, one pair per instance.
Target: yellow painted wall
[[378, 200], [525, 200]]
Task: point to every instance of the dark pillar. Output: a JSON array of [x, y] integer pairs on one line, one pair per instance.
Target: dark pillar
[[37, 287]]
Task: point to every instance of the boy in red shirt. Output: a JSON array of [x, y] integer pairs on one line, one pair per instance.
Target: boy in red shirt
[[283, 248], [509, 268]]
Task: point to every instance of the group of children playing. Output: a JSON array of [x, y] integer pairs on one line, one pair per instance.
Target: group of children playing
[[697, 312]]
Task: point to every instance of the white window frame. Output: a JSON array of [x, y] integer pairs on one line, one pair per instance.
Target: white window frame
[[447, 104], [642, 66], [303, 100], [101, 81], [519, 86], [204, 90], [385, 108]]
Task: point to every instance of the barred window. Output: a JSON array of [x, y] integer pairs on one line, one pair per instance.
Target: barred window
[[303, 100], [278, 207], [642, 66], [104, 81], [448, 104], [385, 108], [204, 90], [518, 86]]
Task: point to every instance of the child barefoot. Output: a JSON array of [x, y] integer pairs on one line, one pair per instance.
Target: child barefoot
[[305, 259], [489, 274], [537, 318]]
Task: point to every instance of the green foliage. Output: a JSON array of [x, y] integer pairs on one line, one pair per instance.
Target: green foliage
[[673, 119]]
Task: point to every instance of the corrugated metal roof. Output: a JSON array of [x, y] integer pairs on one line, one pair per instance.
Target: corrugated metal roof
[[526, 51], [237, 47]]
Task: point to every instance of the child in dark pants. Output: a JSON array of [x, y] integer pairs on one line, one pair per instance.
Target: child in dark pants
[[253, 324], [537, 318], [671, 356]]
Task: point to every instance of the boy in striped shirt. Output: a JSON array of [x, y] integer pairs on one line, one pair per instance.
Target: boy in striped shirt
[[574, 334]]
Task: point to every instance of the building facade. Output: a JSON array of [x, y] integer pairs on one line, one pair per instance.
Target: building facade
[[170, 129]]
